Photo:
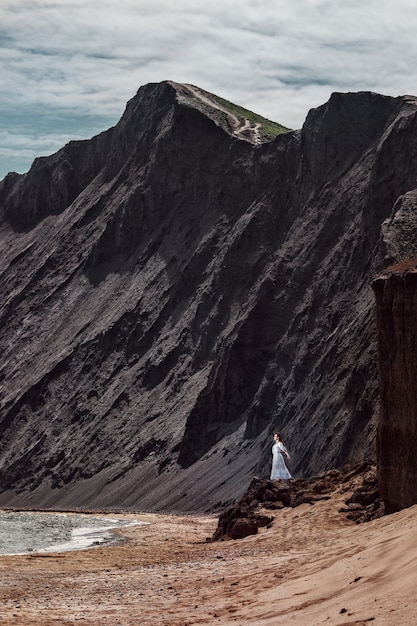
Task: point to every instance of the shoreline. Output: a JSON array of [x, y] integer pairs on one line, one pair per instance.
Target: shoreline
[[32, 532]]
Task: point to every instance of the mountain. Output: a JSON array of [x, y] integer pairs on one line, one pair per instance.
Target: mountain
[[183, 285]]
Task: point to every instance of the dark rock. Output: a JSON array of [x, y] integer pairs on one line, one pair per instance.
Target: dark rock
[[262, 520], [308, 498], [282, 493], [361, 514], [365, 502], [238, 522], [226, 520], [354, 506], [366, 491], [268, 495], [364, 497], [274, 504], [242, 527], [322, 486], [333, 475], [350, 472], [396, 301]]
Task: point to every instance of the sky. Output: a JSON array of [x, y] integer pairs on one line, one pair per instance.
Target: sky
[[68, 67]]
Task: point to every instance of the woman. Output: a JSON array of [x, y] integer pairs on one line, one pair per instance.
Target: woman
[[279, 469]]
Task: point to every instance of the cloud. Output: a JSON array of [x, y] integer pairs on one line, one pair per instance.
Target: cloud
[[71, 65]]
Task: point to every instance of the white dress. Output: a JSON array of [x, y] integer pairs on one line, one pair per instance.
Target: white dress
[[279, 469]]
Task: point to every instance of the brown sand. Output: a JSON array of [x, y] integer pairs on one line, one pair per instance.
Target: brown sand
[[312, 567]]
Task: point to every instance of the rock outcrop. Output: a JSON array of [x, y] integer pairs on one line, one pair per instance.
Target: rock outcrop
[[396, 298], [263, 497], [179, 287]]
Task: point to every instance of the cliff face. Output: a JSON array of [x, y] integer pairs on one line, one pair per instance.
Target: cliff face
[[396, 298], [181, 286]]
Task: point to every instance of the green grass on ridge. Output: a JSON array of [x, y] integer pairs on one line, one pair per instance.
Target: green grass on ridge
[[268, 128]]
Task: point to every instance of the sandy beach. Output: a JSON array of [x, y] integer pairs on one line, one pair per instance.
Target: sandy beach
[[311, 567]]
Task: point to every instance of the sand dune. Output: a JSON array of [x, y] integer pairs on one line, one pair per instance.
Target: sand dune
[[312, 567]]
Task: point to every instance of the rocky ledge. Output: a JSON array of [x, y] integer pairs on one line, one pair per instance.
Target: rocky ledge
[[254, 510]]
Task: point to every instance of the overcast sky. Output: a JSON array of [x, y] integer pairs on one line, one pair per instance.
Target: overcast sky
[[68, 67]]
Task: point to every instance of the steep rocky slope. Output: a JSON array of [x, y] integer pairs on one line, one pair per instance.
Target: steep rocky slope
[[179, 287]]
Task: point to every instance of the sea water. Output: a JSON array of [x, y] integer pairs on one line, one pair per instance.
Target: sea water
[[27, 532]]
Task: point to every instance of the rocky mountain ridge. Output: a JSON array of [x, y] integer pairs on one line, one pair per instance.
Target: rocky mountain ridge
[[181, 286]]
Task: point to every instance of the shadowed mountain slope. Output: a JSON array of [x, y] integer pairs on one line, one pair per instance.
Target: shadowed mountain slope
[[181, 286]]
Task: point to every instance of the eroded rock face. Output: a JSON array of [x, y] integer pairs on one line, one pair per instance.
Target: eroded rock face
[[396, 298], [178, 288]]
